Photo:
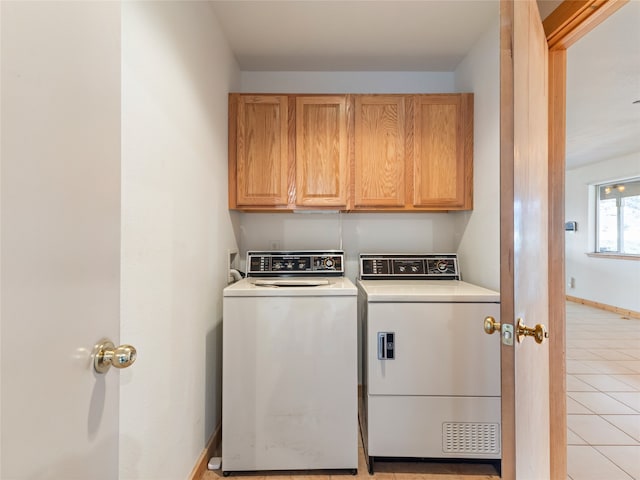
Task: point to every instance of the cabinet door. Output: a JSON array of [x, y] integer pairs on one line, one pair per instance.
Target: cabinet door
[[379, 151], [261, 150], [322, 168], [443, 144]]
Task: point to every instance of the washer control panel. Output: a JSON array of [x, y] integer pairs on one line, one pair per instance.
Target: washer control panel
[[295, 262], [374, 266]]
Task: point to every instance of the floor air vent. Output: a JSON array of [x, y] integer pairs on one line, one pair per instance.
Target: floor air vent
[[471, 438]]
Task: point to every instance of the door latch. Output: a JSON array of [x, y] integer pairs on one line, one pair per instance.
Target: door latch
[[505, 329]]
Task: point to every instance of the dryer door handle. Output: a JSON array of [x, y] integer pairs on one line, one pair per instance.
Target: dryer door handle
[[386, 345]]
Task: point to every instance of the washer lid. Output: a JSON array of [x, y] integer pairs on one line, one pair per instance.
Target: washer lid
[[426, 291], [291, 287]]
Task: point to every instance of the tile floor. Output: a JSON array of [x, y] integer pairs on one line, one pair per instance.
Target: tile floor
[[603, 395], [603, 407]]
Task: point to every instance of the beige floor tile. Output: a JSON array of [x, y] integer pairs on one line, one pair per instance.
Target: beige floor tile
[[631, 399], [625, 344], [584, 354], [576, 384], [607, 366], [601, 403], [583, 344], [634, 352], [613, 354], [627, 458], [576, 367], [631, 379], [630, 424], [597, 431], [574, 439], [633, 365], [575, 408], [586, 463], [605, 383]]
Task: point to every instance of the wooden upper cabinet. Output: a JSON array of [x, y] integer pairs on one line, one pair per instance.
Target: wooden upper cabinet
[[261, 150], [322, 166], [351, 152], [380, 135], [443, 151]]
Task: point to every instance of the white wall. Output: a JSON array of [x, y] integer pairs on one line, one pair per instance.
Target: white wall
[[177, 70], [609, 281], [354, 232], [347, 82], [479, 230]]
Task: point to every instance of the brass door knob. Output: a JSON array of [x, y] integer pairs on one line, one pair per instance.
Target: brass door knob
[[106, 355], [539, 332], [490, 325]]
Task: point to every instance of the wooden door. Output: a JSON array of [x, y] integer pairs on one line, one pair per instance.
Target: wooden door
[[60, 238], [443, 151], [524, 239], [259, 150], [322, 168], [380, 151]]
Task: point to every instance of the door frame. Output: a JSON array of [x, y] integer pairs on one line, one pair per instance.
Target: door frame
[[568, 23], [563, 27]]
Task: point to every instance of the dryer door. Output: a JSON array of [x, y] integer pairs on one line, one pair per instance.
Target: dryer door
[[438, 349]]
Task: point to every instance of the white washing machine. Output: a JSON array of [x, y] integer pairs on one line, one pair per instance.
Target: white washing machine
[[290, 380], [431, 379]]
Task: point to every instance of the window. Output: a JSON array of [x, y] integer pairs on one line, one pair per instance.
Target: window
[[618, 217]]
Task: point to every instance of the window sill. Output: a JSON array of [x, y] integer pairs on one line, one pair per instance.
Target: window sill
[[615, 256]]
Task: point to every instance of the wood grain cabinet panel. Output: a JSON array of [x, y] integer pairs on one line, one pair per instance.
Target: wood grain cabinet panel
[[351, 152], [380, 136], [443, 144], [261, 150], [322, 169]]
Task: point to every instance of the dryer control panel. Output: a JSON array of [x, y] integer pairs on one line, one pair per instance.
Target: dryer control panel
[[295, 263], [441, 266]]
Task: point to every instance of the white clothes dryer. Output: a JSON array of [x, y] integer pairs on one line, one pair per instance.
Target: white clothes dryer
[[431, 382]]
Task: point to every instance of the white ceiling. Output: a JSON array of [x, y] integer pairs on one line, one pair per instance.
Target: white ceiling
[[355, 35], [434, 35], [603, 81]]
